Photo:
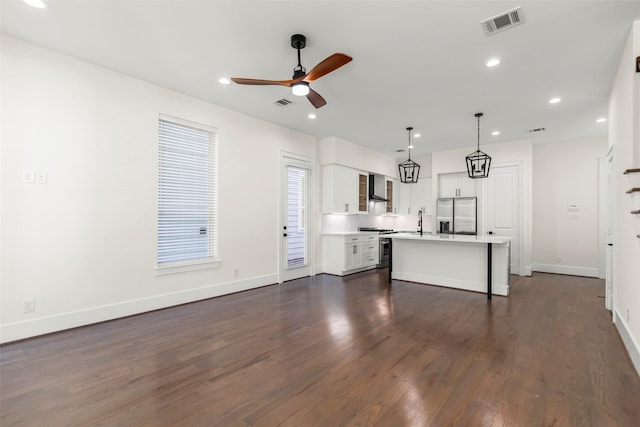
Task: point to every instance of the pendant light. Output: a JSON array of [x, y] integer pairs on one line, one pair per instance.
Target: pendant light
[[478, 163], [409, 170]]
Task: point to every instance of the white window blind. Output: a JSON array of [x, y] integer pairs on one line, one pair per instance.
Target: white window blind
[[297, 216], [187, 199]]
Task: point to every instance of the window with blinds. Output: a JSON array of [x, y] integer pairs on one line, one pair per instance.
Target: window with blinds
[[297, 216], [187, 193]]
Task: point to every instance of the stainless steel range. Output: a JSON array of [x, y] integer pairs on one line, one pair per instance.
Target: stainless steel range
[[384, 242]]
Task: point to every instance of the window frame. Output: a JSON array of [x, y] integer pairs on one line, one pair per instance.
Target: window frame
[[213, 259]]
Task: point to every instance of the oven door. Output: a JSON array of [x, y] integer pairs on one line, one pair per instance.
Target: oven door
[[384, 252]]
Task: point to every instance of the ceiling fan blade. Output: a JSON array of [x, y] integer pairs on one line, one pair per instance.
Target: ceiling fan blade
[[242, 81], [326, 66], [316, 99]]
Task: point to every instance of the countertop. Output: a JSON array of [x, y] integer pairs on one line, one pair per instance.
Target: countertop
[[349, 233], [454, 238]]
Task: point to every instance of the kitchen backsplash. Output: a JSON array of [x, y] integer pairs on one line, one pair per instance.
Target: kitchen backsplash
[[332, 223]]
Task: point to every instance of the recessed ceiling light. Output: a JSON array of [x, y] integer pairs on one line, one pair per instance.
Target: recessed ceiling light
[[40, 4], [224, 81], [493, 62], [555, 100], [312, 116], [416, 135], [601, 120], [411, 146], [495, 133]]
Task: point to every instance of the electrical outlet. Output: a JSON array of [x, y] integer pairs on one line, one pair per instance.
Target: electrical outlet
[[236, 272], [29, 305]]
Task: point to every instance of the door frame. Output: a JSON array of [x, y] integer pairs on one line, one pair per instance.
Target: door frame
[[292, 159], [606, 253], [522, 196]]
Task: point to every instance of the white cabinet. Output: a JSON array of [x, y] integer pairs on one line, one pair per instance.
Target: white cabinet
[[391, 207], [456, 184], [344, 190], [404, 198], [415, 197], [363, 192], [352, 257], [346, 254]]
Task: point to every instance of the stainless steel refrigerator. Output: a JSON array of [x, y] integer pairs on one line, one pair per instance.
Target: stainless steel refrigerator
[[457, 215]]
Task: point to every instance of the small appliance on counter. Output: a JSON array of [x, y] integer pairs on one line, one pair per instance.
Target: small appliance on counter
[[384, 243], [458, 215]]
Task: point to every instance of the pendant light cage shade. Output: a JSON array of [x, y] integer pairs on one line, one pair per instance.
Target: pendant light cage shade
[[409, 170], [478, 163]]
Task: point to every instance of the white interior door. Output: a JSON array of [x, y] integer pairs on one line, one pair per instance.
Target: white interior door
[[503, 208], [296, 223]]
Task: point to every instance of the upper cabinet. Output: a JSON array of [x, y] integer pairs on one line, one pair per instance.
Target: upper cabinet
[[456, 184], [415, 197], [363, 191], [391, 199], [344, 190]]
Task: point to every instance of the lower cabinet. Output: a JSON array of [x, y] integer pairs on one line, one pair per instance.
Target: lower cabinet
[[346, 254]]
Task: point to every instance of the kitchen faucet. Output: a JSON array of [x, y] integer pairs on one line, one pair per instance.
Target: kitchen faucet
[[420, 221]]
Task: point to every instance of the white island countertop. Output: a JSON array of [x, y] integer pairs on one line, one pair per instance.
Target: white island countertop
[[456, 238], [473, 263]]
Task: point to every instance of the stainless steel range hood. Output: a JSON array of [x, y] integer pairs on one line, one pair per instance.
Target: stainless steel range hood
[[377, 188]]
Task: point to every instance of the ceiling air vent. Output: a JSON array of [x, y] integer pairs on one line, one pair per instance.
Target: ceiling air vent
[[283, 102], [537, 130], [502, 22]]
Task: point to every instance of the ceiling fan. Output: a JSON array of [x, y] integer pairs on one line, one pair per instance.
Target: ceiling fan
[[299, 83]]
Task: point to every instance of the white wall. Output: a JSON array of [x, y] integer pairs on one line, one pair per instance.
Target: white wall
[[516, 152], [566, 241], [624, 137], [84, 244]]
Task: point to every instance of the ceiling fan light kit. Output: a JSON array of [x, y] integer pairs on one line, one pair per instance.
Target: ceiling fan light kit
[[300, 81], [300, 89], [409, 170], [478, 163]]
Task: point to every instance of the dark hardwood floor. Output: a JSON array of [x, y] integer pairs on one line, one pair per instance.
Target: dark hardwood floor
[[330, 351]]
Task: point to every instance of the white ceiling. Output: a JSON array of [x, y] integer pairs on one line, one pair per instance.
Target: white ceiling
[[416, 63]]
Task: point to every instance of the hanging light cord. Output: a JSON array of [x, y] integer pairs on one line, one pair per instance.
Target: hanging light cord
[[478, 115], [478, 133]]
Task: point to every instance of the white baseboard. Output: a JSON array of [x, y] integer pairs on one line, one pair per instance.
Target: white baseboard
[[632, 347], [59, 322], [566, 269], [319, 269]]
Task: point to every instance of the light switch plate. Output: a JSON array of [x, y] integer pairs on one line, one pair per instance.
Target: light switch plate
[[41, 177], [28, 177]]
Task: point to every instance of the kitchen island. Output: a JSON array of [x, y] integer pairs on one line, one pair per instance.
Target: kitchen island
[[473, 263]]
